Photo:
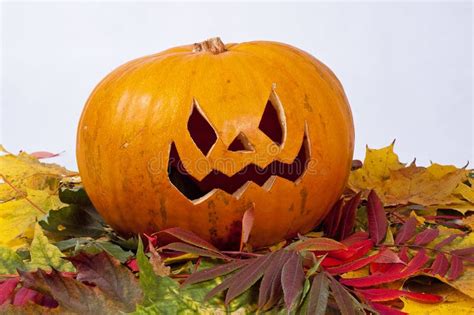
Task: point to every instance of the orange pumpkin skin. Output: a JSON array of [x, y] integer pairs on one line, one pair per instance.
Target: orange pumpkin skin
[[140, 110]]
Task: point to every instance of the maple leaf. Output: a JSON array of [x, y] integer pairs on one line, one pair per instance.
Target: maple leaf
[[396, 184], [45, 255], [378, 164], [72, 295], [106, 272], [28, 190], [9, 261], [24, 171], [17, 217]]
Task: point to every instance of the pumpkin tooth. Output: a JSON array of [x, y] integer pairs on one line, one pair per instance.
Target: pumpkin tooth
[[235, 185]]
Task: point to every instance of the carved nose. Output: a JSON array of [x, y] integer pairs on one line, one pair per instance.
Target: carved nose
[[241, 144]]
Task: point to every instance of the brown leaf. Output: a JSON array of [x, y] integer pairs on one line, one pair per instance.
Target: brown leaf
[[271, 288], [292, 279], [156, 262], [71, 294], [214, 272], [319, 244], [344, 300], [187, 248], [108, 274], [318, 295], [176, 233]]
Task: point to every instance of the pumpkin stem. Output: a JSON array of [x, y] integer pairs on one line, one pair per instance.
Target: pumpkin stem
[[213, 45]]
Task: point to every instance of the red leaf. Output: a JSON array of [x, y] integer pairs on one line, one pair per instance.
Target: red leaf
[[426, 236], [355, 238], [424, 297], [331, 223], [329, 262], [247, 224], [463, 251], [377, 219], [416, 263], [24, 295], [7, 288], [440, 265], [448, 240], [386, 310], [386, 268], [404, 254], [187, 237], [321, 244], [152, 241], [413, 266], [292, 280], [387, 256], [44, 154], [381, 295], [348, 217], [353, 265], [456, 269], [407, 231], [133, 265], [355, 251]]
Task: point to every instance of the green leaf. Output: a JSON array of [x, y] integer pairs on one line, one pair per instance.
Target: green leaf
[[72, 221], [95, 247], [74, 195], [163, 295], [45, 255], [9, 261]]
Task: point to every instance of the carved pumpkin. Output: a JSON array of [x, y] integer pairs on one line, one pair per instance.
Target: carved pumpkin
[[196, 135]]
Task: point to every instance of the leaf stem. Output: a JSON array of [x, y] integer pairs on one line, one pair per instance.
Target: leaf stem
[[22, 193]]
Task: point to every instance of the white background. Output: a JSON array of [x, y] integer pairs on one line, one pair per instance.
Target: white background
[[406, 67]]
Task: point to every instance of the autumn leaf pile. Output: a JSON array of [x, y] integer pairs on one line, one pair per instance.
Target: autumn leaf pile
[[398, 241]]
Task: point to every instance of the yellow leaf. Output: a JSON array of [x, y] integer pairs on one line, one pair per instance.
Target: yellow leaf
[[454, 303], [467, 192], [423, 186], [469, 222], [362, 272], [18, 216], [24, 171], [399, 185], [377, 166]]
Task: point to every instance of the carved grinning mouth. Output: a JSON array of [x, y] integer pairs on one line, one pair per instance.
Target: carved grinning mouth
[[194, 189]]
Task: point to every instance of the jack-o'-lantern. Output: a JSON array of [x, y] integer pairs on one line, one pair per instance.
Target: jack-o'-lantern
[[196, 135]]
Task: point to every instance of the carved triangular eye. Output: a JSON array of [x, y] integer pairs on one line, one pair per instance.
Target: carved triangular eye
[[201, 131], [241, 143], [271, 123]]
